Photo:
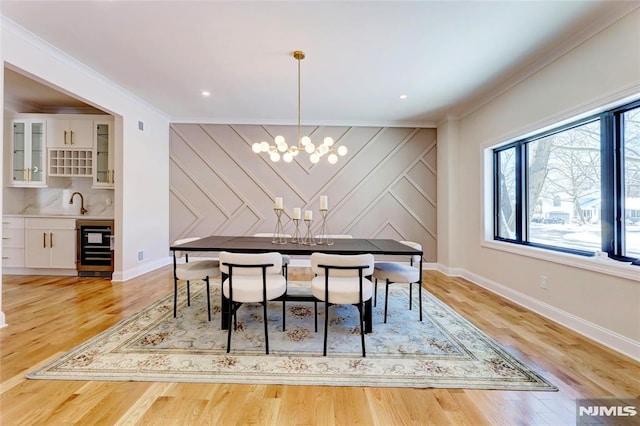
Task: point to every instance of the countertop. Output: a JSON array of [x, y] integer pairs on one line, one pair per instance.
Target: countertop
[[61, 216]]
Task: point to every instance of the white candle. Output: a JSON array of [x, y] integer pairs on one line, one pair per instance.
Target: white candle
[[324, 202], [296, 213], [308, 215], [279, 203]]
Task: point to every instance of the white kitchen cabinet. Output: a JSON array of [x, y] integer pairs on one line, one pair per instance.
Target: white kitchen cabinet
[[69, 133], [50, 243], [104, 176], [28, 143], [12, 242]]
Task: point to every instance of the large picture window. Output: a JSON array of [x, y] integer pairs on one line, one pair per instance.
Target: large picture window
[[575, 188]]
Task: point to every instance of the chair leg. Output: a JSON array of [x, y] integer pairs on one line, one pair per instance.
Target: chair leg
[[284, 316], [386, 299], [326, 326], [266, 331], [361, 313], [315, 312], [420, 299], [208, 298], [410, 296], [375, 293], [231, 313], [175, 296], [188, 294]]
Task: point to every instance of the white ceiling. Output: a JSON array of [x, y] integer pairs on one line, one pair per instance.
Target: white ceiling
[[448, 57]]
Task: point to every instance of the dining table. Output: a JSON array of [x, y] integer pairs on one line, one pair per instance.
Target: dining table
[[342, 246]]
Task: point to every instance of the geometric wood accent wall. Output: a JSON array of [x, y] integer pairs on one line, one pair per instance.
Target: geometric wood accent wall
[[385, 186]]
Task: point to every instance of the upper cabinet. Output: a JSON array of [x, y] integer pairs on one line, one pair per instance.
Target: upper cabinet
[[105, 171], [70, 145], [69, 132], [28, 143]]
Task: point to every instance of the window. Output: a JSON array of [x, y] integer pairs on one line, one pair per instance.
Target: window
[[631, 126], [575, 188]]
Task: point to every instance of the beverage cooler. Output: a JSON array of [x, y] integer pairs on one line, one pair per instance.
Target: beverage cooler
[[95, 248]]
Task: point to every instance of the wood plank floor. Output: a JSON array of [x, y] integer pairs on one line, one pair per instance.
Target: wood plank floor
[[50, 315]]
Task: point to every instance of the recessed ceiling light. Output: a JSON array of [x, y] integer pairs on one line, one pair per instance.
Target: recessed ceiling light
[[403, 96], [206, 93]]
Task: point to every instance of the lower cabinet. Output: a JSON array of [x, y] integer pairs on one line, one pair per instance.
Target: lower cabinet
[[50, 243], [13, 242]]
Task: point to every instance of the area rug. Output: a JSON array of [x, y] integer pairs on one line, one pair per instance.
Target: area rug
[[442, 351]]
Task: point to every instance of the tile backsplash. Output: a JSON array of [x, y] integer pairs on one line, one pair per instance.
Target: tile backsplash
[[54, 199]]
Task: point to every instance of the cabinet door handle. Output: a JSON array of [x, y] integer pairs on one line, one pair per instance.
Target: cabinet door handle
[[51, 239], [29, 175], [24, 175], [71, 132], [44, 240], [65, 137]]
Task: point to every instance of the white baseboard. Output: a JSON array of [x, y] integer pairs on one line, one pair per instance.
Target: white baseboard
[[606, 337], [140, 269]]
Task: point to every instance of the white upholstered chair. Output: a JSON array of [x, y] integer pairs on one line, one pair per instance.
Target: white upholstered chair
[[189, 270], [339, 280], [397, 272], [251, 278], [286, 259]]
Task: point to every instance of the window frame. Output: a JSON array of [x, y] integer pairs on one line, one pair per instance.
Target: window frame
[[612, 184]]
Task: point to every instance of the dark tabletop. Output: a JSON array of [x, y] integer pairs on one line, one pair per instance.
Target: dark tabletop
[[264, 244]]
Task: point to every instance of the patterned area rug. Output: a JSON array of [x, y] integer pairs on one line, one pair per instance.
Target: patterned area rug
[[444, 350]]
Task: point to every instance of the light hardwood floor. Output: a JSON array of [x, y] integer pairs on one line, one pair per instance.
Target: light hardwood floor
[[50, 315]]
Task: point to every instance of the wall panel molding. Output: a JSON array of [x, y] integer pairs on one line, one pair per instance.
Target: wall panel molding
[[385, 187]]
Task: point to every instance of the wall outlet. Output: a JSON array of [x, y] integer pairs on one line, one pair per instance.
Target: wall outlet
[[140, 256], [544, 282]]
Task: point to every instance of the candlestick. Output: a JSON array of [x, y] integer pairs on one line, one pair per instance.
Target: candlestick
[[308, 215], [325, 235], [308, 239], [297, 238], [278, 234]]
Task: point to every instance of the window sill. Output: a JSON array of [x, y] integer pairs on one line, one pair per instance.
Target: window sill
[[603, 266]]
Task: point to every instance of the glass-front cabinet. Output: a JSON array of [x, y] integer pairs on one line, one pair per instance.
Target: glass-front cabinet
[[105, 174], [28, 155]]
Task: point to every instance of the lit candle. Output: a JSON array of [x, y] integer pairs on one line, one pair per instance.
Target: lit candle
[[279, 203], [324, 202], [296, 213], [308, 215]]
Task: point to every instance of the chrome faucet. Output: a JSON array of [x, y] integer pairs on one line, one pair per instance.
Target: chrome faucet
[[82, 209]]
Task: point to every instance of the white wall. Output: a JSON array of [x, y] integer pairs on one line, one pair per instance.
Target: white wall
[[141, 201], [604, 69]]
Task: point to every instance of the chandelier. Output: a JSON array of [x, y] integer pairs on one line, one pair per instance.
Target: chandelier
[[281, 149]]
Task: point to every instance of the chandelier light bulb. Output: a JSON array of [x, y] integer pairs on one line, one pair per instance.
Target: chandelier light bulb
[[264, 146], [279, 139], [328, 141], [282, 147], [305, 140], [332, 158], [314, 158], [342, 151], [287, 157], [256, 147], [310, 148], [275, 157], [323, 149]]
